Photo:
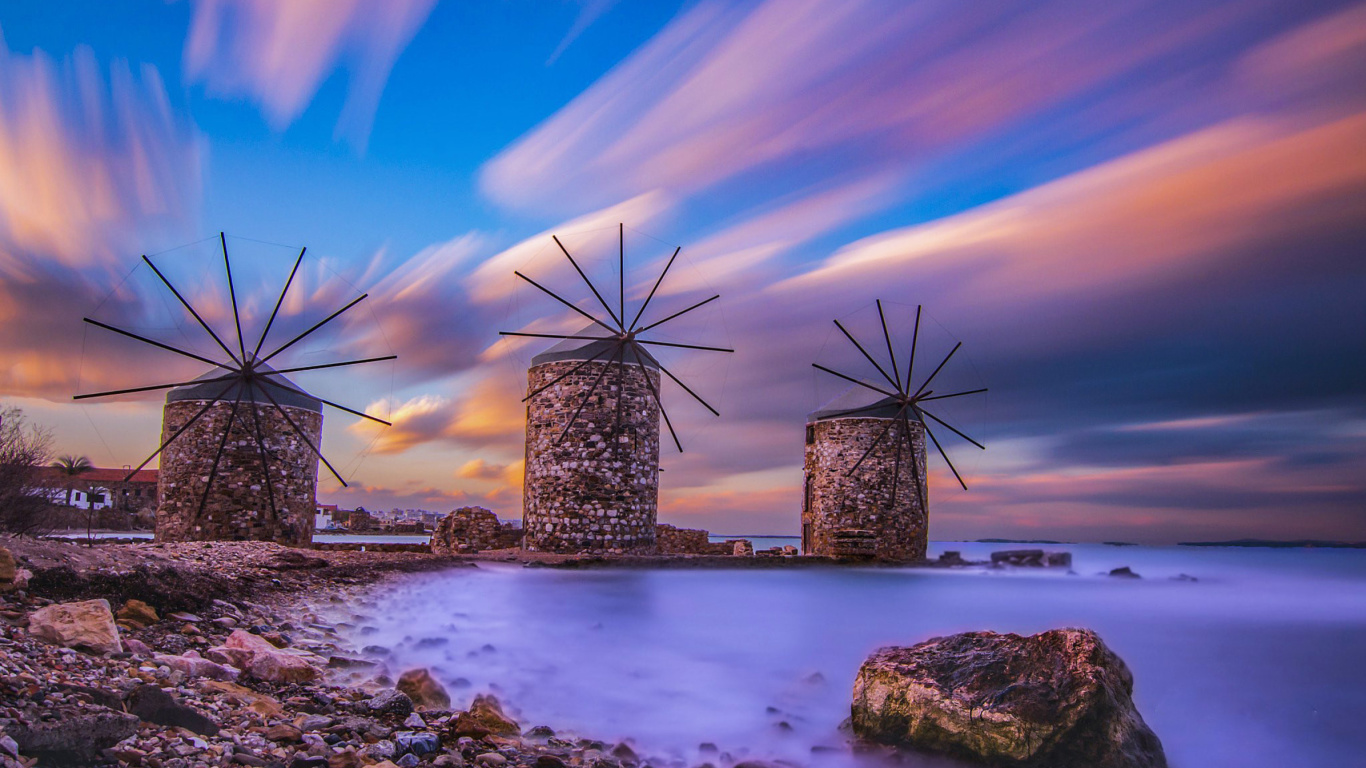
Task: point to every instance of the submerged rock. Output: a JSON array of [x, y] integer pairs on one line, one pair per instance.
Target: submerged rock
[[1124, 572], [423, 689], [1060, 699], [485, 717], [87, 625]]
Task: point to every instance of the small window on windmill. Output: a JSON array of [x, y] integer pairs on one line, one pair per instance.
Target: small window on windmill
[[810, 434]]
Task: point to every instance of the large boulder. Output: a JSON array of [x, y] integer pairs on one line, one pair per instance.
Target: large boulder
[[153, 704], [87, 625], [423, 689], [256, 656], [73, 737], [484, 717], [1060, 699]]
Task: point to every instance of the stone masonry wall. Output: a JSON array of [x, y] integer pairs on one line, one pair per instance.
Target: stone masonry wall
[[238, 506], [598, 490], [472, 529], [835, 502], [688, 541]]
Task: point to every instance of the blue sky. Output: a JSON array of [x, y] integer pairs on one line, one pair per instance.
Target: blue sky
[[1144, 221]]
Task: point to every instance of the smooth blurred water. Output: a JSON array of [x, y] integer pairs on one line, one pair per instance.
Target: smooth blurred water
[[1259, 663]]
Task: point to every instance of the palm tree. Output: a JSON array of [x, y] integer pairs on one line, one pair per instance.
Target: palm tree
[[72, 466]]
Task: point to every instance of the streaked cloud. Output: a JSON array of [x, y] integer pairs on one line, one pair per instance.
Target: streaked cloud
[[278, 54]]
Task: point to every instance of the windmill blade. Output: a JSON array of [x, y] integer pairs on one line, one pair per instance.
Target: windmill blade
[[621, 271], [696, 397], [683, 346], [554, 336], [568, 373], [232, 292], [213, 471], [871, 447], [915, 465], [678, 313], [257, 352], [915, 339], [935, 440], [554, 296], [584, 401], [315, 327], [591, 287], [261, 449], [888, 336], [953, 394], [951, 428], [191, 309], [321, 366], [851, 338], [146, 340], [338, 406], [655, 393], [303, 436], [641, 311], [155, 387], [942, 363], [854, 380], [179, 432]]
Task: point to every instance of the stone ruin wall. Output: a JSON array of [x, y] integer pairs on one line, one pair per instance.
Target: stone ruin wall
[[835, 502], [597, 491], [689, 541], [238, 507], [473, 529]]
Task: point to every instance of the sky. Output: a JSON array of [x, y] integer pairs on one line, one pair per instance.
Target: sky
[[1145, 222]]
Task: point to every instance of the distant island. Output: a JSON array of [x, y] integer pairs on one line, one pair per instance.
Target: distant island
[[1299, 544], [1019, 541]]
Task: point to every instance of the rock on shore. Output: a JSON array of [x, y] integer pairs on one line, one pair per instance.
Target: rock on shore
[[1060, 699]]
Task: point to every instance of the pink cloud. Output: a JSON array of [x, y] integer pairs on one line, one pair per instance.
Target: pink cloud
[[279, 53]]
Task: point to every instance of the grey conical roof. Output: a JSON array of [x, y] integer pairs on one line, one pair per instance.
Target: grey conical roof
[[856, 403], [582, 349], [207, 389]]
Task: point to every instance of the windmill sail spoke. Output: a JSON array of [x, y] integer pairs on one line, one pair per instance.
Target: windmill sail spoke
[[315, 327], [213, 471], [942, 363], [321, 366], [915, 465], [179, 432], [155, 387], [915, 339], [951, 428], [864, 384], [876, 441], [166, 347], [851, 338], [191, 310], [568, 373], [553, 336], [265, 462], [586, 397], [278, 302], [303, 435], [232, 293], [621, 272], [935, 440], [696, 397], [678, 313], [952, 394], [641, 311], [565, 302], [338, 406], [591, 287], [655, 394], [682, 346], [888, 337]]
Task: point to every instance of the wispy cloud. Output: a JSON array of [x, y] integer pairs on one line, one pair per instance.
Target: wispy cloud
[[279, 53]]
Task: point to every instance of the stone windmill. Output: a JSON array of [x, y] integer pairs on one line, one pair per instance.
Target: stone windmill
[[592, 431], [866, 492], [239, 447]]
